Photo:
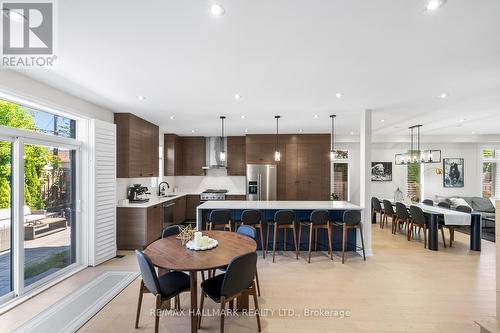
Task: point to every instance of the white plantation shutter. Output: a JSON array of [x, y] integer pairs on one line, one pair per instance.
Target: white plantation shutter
[[102, 236]]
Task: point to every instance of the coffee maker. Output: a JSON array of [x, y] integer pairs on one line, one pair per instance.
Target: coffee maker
[[136, 193]]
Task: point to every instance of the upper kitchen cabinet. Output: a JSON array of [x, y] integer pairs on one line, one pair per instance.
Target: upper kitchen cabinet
[[137, 146], [236, 156], [172, 155], [260, 148], [193, 155]]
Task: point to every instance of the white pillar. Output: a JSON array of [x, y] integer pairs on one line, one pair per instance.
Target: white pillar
[[365, 150]]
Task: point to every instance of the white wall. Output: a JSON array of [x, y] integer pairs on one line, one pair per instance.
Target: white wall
[[17, 85], [432, 183]]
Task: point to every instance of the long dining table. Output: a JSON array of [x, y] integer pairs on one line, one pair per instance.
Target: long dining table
[[450, 217], [169, 254]]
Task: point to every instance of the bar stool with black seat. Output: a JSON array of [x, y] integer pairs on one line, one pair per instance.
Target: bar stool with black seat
[[451, 228], [402, 217], [377, 209], [253, 218], [418, 219], [351, 220], [219, 219], [428, 202], [172, 230], [319, 219], [239, 280], [283, 219], [388, 212], [164, 288]]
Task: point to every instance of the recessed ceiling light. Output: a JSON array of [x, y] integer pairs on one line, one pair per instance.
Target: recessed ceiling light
[[217, 10], [300, 130], [433, 5], [352, 132], [172, 117], [242, 116], [443, 95], [462, 120], [141, 98], [246, 131], [316, 116], [338, 95], [237, 96], [473, 132], [192, 131], [382, 120]]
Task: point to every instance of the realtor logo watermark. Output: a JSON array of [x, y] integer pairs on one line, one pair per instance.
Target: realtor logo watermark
[[28, 34]]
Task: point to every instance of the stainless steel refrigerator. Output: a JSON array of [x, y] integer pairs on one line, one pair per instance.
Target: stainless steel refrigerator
[[262, 182]]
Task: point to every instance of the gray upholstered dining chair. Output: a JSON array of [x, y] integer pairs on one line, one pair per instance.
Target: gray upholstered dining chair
[[388, 212], [428, 202], [377, 209]]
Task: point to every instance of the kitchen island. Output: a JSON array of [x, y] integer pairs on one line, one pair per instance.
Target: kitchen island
[[302, 210]]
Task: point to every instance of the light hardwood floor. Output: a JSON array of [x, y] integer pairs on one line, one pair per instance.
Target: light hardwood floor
[[402, 288]]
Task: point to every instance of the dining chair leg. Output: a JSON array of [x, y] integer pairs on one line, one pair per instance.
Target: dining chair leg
[[284, 239], [157, 315], [344, 239], [310, 241], [262, 240], [139, 304], [222, 310], [267, 238], [362, 241], [256, 305], [442, 234], [177, 303], [202, 299], [257, 280], [300, 237], [330, 240], [295, 242], [316, 239], [274, 240]]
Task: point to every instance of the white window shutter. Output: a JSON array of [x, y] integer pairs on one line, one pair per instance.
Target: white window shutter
[[102, 235]]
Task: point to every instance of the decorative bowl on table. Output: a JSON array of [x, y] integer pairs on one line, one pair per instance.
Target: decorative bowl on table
[[212, 243]]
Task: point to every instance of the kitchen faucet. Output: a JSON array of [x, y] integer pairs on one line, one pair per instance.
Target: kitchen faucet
[[160, 190]]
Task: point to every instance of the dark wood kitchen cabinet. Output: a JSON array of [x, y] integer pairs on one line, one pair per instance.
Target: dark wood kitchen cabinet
[[193, 155], [172, 155], [192, 201], [236, 197], [180, 210], [236, 156], [136, 228], [137, 146]]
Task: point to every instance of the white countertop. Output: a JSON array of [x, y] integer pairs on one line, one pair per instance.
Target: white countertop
[[155, 200], [294, 205]]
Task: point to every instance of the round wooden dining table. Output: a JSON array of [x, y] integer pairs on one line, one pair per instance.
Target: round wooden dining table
[[168, 253]]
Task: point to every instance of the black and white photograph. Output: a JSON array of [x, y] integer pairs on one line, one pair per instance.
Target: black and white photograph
[[381, 171], [453, 175]]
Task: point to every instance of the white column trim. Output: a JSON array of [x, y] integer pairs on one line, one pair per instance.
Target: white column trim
[[365, 151]]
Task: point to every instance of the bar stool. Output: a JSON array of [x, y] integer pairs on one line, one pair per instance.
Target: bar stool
[[402, 217], [319, 219], [377, 208], [388, 212], [283, 219], [253, 217], [219, 218], [351, 220], [428, 202]]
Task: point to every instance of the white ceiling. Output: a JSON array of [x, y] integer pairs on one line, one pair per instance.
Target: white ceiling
[[286, 57]]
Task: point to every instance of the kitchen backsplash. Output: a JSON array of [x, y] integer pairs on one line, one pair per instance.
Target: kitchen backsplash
[[215, 178]]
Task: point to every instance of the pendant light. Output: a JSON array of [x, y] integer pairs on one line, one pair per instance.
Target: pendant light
[[222, 154], [333, 153], [415, 155], [277, 154]]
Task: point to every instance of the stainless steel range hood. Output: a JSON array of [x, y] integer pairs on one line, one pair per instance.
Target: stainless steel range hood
[[213, 146]]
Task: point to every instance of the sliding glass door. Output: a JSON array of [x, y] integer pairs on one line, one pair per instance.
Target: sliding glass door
[[38, 198], [49, 200], [6, 281]]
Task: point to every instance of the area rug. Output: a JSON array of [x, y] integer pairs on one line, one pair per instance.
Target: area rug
[[487, 234], [74, 310]]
